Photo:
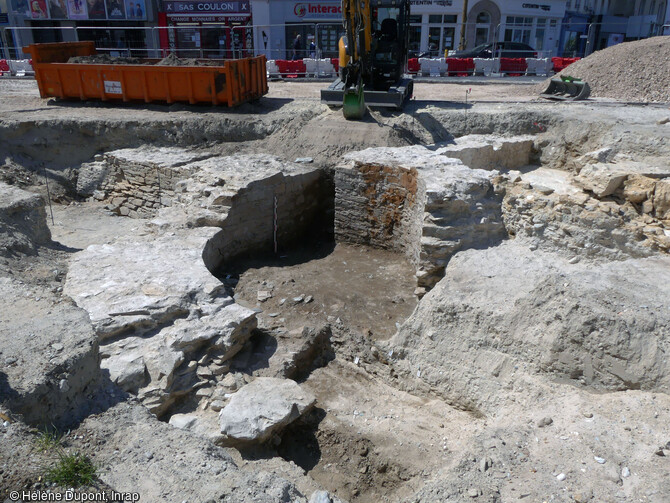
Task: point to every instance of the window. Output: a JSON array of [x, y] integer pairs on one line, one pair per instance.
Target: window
[[518, 29], [415, 19], [434, 41], [539, 33], [434, 19], [484, 18], [415, 39], [450, 19], [448, 38]]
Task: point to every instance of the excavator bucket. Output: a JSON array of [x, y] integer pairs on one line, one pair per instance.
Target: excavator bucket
[[354, 103], [566, 89]]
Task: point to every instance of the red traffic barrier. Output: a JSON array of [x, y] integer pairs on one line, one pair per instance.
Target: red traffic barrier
[[413, 65], [562, 63], [296, 69], [461, 67], [291, 69], [514, 67], [282, 65], [4, 67], [336, 63]]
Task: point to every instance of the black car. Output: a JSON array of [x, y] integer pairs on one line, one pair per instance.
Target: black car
[[501, 50]]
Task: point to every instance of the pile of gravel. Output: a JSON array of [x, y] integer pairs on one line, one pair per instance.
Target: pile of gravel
[[633, 71]]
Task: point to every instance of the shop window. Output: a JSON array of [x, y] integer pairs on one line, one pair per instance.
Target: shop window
[[434, 41], [434, 19], [450, 19], [414, 40], [448, 38], [329, 37], [415, 19]]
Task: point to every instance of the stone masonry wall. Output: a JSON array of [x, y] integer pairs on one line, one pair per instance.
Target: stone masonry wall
[[137, 190], [418, 202], [379, 206], [135, 182]]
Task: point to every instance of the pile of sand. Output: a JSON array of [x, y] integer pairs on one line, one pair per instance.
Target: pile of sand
[[633, 71]]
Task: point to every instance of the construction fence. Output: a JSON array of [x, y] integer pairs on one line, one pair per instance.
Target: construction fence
[[320, 40]]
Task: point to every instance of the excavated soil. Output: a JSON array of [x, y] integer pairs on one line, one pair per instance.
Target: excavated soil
[[381, 430], [615, 72], [344, 285]]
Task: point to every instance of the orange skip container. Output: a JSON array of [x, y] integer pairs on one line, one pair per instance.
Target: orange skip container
[[236, 82]]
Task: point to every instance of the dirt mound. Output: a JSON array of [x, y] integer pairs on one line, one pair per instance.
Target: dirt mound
[[105, 59], [170, 60], [173, 60], [633, 71]]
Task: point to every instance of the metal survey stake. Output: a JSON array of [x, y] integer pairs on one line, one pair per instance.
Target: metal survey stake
[[275, 223], [46, 181]]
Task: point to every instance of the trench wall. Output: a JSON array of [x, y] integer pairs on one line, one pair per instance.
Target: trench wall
[[380, 206], [304, 210]]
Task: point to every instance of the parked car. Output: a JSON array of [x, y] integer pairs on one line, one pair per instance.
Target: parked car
[[502, 50]]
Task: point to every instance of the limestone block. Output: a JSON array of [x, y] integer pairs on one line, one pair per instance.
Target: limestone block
[[91, 176], [263, 407], [23, 221], [139, 283], [638, 189], [662, 199], [601, 179], [126, 369]]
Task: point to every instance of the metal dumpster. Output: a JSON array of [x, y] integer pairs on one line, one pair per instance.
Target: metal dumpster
[[236, 82]]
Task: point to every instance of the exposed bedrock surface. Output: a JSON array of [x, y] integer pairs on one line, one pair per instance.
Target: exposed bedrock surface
[[546, 324], [501, 317]]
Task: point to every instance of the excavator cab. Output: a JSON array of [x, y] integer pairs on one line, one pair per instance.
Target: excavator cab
[[388, 55], [373, 57]]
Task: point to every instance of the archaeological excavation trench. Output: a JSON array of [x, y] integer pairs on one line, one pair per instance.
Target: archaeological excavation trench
[[387, 311]]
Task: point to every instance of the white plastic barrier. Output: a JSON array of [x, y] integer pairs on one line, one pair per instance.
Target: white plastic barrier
[[486, 66], [20, 67], [433, 67], [540, 66], [319, 67], [272, 68]]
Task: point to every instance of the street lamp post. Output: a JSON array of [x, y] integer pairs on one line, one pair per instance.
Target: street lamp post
[[464, 20]]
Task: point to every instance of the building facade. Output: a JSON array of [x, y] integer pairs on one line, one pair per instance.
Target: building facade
[[283, 29], [206, 29], [435, 25], [122, 27], [591, 25]]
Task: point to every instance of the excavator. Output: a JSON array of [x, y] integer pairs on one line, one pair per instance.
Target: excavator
[[372, 57]]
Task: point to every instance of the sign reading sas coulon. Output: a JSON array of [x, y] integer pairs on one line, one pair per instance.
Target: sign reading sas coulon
[[205, 7]]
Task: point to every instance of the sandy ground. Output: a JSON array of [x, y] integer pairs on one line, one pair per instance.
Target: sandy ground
[[22, 95]]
